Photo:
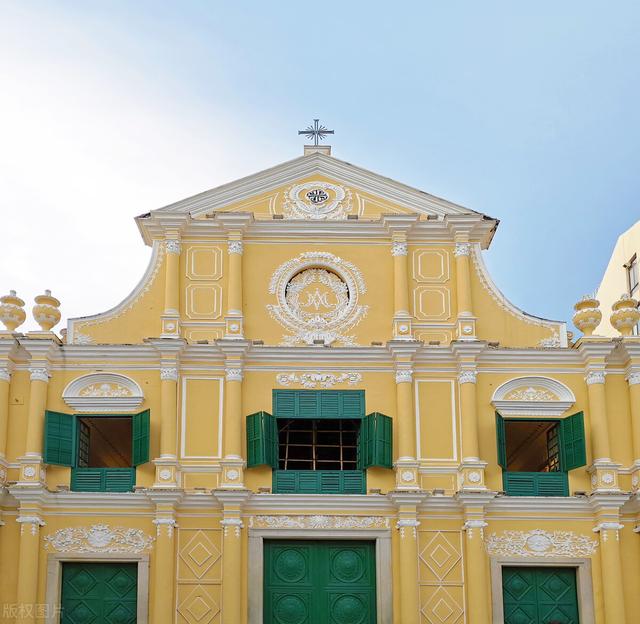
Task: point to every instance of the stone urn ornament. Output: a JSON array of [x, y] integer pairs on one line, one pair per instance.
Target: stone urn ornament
[[625, 315], [587, 314], [46, 312], [12, 312]]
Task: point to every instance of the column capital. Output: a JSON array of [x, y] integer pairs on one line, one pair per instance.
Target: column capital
[[462, 249], [169, 373], [467, 376], [235, 247], [399, 248], [39, 373], [173, 246], [595, 377], [633, 378], [404, 375], [5, 373], [234, 374]]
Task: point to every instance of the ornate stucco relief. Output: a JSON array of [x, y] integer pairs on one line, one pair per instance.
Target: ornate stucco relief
[[317, 294], [319, 522], [103, 392], [98, 538], [539, 543], [317, 200], [314, 380]]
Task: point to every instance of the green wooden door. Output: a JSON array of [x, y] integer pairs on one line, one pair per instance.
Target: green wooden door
[[319, 582], [99, 593], [539, 595]]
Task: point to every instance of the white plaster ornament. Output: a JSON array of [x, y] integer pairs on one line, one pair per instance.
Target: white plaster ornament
[[539, 543], [314, 380], [99, 538]]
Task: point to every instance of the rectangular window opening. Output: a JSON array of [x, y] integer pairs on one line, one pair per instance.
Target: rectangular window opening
[[532, 446], [104, 442], [327, 444]]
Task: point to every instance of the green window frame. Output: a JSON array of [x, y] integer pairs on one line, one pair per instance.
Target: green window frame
[[375, 440], [572, 455], [65, 444]]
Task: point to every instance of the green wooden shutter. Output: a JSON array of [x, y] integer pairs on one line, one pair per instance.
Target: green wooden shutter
[[141, 435], [60, 438], [352, 403], [501, 441], [375, 441], [318, 403], [262, 440], [574, 453], [284, 403]]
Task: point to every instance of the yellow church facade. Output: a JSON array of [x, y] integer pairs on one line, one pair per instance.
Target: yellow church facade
[[317, 407]]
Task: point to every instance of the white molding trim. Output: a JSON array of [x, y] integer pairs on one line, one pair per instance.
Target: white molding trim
[[103, 392], [145, 283], [382, 538], [54, 580], [583, 581], [533, 402]]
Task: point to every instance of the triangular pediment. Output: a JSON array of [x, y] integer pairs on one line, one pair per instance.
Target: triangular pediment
[[264, 193]]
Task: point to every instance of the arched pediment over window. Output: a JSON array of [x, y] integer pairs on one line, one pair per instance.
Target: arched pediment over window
[[533, 396], [103, 392]]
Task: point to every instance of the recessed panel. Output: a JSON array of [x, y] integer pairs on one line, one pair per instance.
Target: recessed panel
[[204, 301], [204, 263], [430, 266], [432, 303]]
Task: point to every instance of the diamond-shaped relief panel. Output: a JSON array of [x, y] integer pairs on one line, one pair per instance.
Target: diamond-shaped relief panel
[[200, 557], [82, 613], [122, 582], [82, 582], [441, 605], [198, 604], [440, 556]]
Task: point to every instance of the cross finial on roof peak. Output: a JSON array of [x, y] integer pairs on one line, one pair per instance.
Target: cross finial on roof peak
[[316, 132]]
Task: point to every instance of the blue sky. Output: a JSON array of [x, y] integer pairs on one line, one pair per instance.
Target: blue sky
[[525, 111]]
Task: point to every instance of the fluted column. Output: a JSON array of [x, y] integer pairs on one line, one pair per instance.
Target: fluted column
[[5, 380], [612, 584], [405, 430], [31, 463], [234, 320], [27, 565], [167, 464], [466, 319], [232, 567], [171, 314], [407, 526], [164, 567], [232, 464], [401, 315], [477, 586]]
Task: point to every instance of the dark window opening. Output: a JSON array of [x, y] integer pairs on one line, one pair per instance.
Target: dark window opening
[[327, 444], [532, 446], [104, 442]]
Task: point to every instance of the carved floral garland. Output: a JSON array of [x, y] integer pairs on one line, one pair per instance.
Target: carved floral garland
[[312, 380], [539, 543], [319, 522], [99, 538]]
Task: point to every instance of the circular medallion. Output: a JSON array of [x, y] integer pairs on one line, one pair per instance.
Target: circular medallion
[[290, 566], [607, 478], [165, 474], [349, 609], [291, 610], [538, 542], [29, 471], [232, 474], [475, 476], [347, 566], [407, 476], [317, 200]]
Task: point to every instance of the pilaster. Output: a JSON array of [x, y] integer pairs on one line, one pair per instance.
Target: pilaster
[[7, 350], [171, 314], [630, 348]]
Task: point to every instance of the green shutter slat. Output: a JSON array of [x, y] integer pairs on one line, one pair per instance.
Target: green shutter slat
[[141, 437], [535, 483], [318, 403], [319, 482], [103, 479], [574, 452], [501, 442], [60, 438], [262, 440], [375, 441]]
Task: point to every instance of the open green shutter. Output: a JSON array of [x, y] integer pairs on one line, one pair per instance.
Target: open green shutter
[[60, 438], [501, 441], [140, 442], [262, 440], [573, 448], [375, 441]]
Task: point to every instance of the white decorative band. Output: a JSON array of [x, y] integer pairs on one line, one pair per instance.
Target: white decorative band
[[313, 380], [235, 247], [633, 379], [169, 374], [595, 377], [39, 374], [233, 522], [5, 374], [474, 524], [399, 248], [30, 520], [407, 522], [172, 246], [234, 374], [608, 526], [467, 376], [404, 375], [462, 249]]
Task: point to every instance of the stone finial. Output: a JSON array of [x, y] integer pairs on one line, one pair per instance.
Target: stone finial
[[625, 314], [587, 314], [46, 312], [12, 312]]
